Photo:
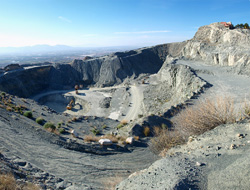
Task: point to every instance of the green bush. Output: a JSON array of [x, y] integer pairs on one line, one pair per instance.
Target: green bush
[[49, 125], [104, 126], [40, 120], [28, 114], [95, 131], [120, 126], [61, 130]]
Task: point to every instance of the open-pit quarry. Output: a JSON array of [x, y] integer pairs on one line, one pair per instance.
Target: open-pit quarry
[[118, 96]]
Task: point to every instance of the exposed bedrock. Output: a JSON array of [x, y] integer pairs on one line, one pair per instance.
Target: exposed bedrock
[[219, 45]]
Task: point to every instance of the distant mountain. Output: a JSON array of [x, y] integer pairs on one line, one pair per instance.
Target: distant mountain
[[45, 49], [35, 49]]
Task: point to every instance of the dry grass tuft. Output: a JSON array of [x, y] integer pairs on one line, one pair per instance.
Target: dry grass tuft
[[7, 182], [165, 139], [124, 122], [137, 138], [206, 115], [111, 182], [146, 131], [246, 109]]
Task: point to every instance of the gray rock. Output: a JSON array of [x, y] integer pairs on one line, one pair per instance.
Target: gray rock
[[105, 103]]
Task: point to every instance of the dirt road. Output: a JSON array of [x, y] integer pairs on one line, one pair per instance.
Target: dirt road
[[137, 97]]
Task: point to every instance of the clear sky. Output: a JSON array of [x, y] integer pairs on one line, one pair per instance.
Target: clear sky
[[94, 23]]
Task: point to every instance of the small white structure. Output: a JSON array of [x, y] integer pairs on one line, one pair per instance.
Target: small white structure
[[74, 133], [130, 140], [105, 142]]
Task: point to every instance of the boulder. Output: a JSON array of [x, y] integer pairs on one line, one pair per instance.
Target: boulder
[[105, 142], [130, 140], [74, 133], [105, 103]]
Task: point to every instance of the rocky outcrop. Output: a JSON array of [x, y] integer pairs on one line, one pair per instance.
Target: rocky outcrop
[[216, 44]]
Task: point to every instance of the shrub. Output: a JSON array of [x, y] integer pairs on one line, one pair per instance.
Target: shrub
[[28, 114], [7, 181], [95, 131], [40, 120], [111, 182], [164, 140], [124, 122], [49, 125], [140, 115], [8, 108], [61, 130], [146, 131], [59, 125], [104, 126], [206, 115], [119, 126], [91, 138]]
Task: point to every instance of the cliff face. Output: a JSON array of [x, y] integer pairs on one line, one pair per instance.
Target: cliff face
[[216, 44], [113, 69], [25, 83], [102, 71]]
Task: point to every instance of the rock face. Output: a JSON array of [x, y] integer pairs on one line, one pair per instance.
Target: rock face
[[177, 83], [103, 71], [219, 45], [115, 68]]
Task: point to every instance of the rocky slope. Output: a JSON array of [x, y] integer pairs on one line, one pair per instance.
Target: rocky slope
[[218, 159], [176, 84]]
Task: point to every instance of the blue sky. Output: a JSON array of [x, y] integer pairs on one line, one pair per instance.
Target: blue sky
[[95, 23]]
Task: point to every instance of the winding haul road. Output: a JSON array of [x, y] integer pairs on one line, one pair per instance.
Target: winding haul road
[[93, 96]]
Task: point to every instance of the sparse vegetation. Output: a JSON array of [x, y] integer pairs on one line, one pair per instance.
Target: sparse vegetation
[[140, 115], [165, 139], [206, 115], [122, 124], [40, 120], [61, 130], [195, 120], [104, 126], [111, 182], [59, 125], [28, 114], [119, 126], [95, 131], [8, 182], [49, 125]]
